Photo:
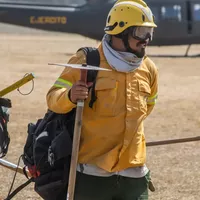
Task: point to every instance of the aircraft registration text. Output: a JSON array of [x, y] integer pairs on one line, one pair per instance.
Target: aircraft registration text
[[48, 20]]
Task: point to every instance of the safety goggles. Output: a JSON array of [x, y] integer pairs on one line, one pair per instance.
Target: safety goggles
[[142, 33]]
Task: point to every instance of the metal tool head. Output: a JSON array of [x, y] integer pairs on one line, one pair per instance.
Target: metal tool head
[[79, 66]]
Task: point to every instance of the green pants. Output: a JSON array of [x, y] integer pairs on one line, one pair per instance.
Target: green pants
[[111, 188]]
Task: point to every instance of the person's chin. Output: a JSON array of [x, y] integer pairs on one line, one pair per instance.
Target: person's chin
[[141, 53]]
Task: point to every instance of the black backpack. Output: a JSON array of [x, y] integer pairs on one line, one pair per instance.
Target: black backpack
[[47, 151], [5, 104]]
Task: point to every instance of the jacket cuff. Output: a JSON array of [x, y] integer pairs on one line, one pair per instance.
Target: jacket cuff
[[65, 104], [68, 102]]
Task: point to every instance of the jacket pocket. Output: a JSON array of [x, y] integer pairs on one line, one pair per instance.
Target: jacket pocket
[[144, 92], [106, 92]]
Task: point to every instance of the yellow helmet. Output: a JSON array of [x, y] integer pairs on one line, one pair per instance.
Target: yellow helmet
[[127, 13]]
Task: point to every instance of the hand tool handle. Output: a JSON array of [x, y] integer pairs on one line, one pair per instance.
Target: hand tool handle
[[13, 167], [17, 84], [76, 142]]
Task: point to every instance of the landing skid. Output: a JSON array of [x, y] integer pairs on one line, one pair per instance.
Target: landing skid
[[186, 55], [187, 50]]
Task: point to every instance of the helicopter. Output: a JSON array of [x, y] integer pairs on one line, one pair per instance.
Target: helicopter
[[178, 21]]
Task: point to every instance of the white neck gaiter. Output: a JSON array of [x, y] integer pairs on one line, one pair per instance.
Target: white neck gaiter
[[120, 61]]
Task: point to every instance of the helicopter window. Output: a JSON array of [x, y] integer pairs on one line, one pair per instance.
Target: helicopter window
[[155, 12], [196, 12], [172, 12]]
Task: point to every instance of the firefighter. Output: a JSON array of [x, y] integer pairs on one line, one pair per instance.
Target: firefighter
[[112, 153]]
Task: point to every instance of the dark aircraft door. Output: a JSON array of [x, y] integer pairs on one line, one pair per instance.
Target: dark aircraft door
[[195, 17], [171, 18]]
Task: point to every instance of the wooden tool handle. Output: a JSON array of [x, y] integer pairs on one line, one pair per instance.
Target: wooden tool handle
[[76, 142], [84, 75]]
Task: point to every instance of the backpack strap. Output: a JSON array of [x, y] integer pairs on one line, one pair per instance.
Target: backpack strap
[[92, 58], [17, 190]]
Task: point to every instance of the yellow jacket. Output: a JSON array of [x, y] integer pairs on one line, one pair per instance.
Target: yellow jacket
[[112, 135]]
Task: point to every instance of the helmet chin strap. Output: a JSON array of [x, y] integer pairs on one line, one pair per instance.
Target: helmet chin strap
[[124, 38], [126, 43]]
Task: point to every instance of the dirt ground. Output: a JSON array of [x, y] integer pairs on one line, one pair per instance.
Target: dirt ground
[[175, 168]]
